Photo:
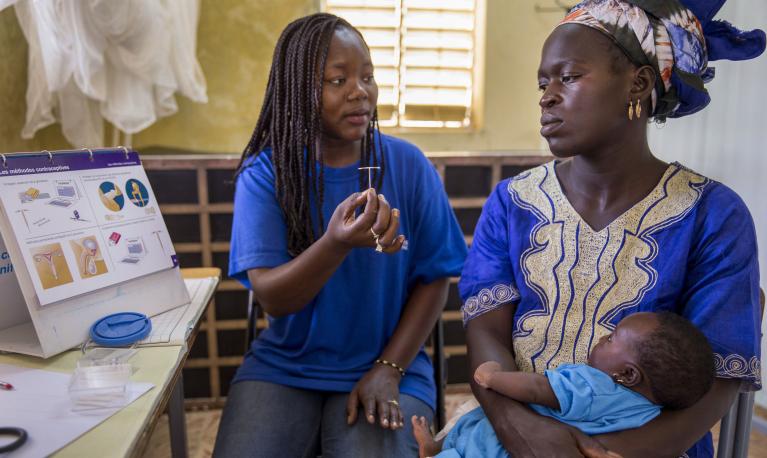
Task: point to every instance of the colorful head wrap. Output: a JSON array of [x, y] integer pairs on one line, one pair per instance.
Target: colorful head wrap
[[677, 38]]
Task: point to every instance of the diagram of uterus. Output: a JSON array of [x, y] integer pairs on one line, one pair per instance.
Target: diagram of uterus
[[48, 256]]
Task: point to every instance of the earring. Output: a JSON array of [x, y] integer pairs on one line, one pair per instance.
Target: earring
[[631, 110], [618, 379], [638, 109]]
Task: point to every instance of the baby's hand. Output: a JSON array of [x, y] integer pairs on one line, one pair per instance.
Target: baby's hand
[[484, 371]]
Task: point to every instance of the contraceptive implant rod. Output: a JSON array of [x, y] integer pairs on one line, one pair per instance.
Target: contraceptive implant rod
[[370, 174]]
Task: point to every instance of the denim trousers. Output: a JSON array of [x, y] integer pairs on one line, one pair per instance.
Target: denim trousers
[[268, 420]]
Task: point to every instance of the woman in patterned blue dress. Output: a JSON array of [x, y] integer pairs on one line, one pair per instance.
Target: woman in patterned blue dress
[[562, 252]]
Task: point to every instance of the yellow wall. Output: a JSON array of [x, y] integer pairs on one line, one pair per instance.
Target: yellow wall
[[236, 40], [514, 36], [235, 44], [13, 85]]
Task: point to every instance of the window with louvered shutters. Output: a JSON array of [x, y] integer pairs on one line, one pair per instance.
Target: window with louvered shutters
[[423, 52]]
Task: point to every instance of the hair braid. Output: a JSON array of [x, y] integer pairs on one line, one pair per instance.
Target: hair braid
[[290, 124]]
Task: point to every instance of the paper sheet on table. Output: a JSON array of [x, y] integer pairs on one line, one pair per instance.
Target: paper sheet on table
[[40, 404], [173, 326]]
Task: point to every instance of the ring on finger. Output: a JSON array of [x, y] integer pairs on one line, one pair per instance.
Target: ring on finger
[[393, 401], [375, 236]]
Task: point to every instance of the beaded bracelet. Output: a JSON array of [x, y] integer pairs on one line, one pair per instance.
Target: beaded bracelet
[[391, 364]]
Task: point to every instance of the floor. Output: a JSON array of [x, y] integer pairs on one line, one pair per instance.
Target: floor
[[202, 427]]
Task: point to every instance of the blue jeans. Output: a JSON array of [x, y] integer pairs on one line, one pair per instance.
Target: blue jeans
[[267, 420]]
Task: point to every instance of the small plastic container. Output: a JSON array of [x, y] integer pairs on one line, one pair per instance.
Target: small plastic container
[[102, 356], [99, 386], [101, 378]]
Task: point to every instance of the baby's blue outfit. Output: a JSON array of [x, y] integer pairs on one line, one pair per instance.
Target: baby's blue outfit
[[588, 398]]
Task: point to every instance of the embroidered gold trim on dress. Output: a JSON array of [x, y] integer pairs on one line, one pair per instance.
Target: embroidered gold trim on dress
[[736, 366], [584, 278], [488, 299]]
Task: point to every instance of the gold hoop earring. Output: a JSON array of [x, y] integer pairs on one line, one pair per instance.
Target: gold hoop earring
[[631, 110]]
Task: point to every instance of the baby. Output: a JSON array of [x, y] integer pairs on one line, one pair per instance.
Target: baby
[[650, 361]]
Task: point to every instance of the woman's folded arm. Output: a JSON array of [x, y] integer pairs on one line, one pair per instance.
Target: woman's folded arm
[[673, 432]]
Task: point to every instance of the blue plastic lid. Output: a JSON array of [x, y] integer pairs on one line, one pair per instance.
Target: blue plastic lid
[[120, 329]]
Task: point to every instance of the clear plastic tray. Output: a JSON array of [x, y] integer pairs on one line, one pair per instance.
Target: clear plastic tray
[[105, 356], [99, 386]]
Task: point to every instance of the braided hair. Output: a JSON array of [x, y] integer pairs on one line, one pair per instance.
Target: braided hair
[[290, 123]]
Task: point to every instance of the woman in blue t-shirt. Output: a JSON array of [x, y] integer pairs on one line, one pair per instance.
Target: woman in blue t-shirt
[[347, 240]]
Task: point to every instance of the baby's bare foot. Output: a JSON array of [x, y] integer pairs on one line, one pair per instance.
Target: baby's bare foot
[[484, 371], [427, 446]]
